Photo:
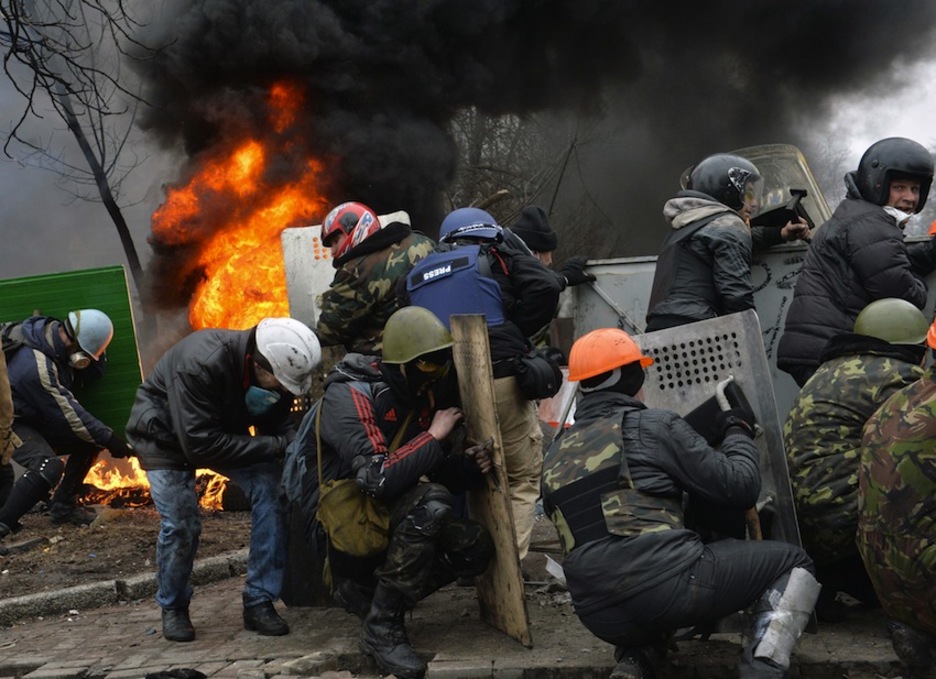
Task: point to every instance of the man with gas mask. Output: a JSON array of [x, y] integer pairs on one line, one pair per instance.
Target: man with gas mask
[[387, 423], [221, 399], [613, 485], [54, 357]]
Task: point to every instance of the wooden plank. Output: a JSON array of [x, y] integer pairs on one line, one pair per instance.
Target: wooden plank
[[500, 588]]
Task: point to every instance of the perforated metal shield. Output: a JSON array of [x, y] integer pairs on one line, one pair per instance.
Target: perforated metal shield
[[690, 360]]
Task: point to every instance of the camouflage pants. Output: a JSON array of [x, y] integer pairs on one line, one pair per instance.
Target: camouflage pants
[[428, 547], [904, 577]]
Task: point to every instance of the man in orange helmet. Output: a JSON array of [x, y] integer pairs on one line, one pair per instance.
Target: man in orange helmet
[[613, 484]]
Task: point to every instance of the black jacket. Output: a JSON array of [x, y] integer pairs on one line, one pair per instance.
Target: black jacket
[[190, 412], [705, 273], [666, 457], [361, 416], [856, 257]]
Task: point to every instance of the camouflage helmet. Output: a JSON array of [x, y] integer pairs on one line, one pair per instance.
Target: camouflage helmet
[[412, 332], [893, 320]]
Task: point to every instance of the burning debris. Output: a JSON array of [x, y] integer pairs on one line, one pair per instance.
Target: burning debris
[[121, 484]]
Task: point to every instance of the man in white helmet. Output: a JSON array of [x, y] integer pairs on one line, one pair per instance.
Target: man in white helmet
[[196, 410], [53, 357]]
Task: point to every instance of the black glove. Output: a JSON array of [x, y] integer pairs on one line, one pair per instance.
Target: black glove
[[573, 271], [740, 418], [555, 354], [118, 448]]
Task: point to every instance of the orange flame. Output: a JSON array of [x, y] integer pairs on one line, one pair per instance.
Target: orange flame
[[242, 260], [107, 477]]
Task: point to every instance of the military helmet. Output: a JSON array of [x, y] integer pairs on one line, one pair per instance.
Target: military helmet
[[893, 320], [601, 351], [726, 178], [891, 158], [412, 332]]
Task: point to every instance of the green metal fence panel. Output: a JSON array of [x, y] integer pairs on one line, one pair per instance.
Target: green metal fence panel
[[110, 398]]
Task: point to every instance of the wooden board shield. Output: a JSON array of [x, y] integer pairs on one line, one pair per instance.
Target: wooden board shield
[[500, 588]]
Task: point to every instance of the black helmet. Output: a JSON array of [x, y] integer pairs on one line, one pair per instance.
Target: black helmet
[[889, 158], [724, 177]]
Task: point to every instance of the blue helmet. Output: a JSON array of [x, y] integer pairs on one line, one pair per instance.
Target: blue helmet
[[470, 222]]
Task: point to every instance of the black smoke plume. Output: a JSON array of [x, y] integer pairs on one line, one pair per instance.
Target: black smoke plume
[[384, 77]]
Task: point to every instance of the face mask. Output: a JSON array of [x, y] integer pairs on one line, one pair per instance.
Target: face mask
[[260, 401], [79, 360], [898, 215]]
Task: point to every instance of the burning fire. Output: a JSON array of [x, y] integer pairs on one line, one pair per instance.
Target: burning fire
[[130, 488], [242, 259]]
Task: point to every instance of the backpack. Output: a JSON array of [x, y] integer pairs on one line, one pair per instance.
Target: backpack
[[13, 338]]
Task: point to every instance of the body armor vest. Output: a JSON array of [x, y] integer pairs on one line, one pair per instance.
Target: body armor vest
[[457, 281], [588, 492]]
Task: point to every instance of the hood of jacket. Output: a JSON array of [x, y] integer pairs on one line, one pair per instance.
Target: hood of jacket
[[688, 207], [41, 332]]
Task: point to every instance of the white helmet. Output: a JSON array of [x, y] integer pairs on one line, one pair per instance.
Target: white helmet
[[91, 329], [292, 350]]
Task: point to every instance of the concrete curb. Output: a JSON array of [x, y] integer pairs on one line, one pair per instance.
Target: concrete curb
[[111, 592]]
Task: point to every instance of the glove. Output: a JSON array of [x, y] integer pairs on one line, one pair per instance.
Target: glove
[[118, 448], [554, 354], [573, 271], [736, 417]]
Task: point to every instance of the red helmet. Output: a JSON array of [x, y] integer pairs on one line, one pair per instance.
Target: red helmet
[[351, 223]]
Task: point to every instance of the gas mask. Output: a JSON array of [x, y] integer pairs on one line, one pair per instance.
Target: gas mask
[[260, 401], [79, 360]]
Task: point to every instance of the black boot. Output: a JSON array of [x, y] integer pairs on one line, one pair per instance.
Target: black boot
[[914, 649], [62, 512], [4, 531], [384, 639], [354, 597], [176, 624], [636, 663], [263, 619], [64, 507]]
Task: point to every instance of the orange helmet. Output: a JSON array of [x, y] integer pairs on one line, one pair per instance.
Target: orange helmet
[[601, 351], [931, 336]]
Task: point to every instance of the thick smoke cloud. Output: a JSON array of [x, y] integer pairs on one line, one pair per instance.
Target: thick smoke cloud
[[678, 81]]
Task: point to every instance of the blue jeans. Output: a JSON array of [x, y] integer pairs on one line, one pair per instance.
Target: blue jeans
[[173, 493]]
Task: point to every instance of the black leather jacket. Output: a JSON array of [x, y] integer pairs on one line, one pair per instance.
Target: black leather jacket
[[190, 412]]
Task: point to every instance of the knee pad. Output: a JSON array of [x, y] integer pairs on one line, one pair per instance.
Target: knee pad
[[427, 518], [51, 470]]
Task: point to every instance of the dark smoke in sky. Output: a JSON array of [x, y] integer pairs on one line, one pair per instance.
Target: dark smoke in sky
[[676, 81]]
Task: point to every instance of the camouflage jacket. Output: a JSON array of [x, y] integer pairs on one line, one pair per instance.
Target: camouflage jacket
[[822, 435], [363, 294], [897, 502], [665, 458]]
